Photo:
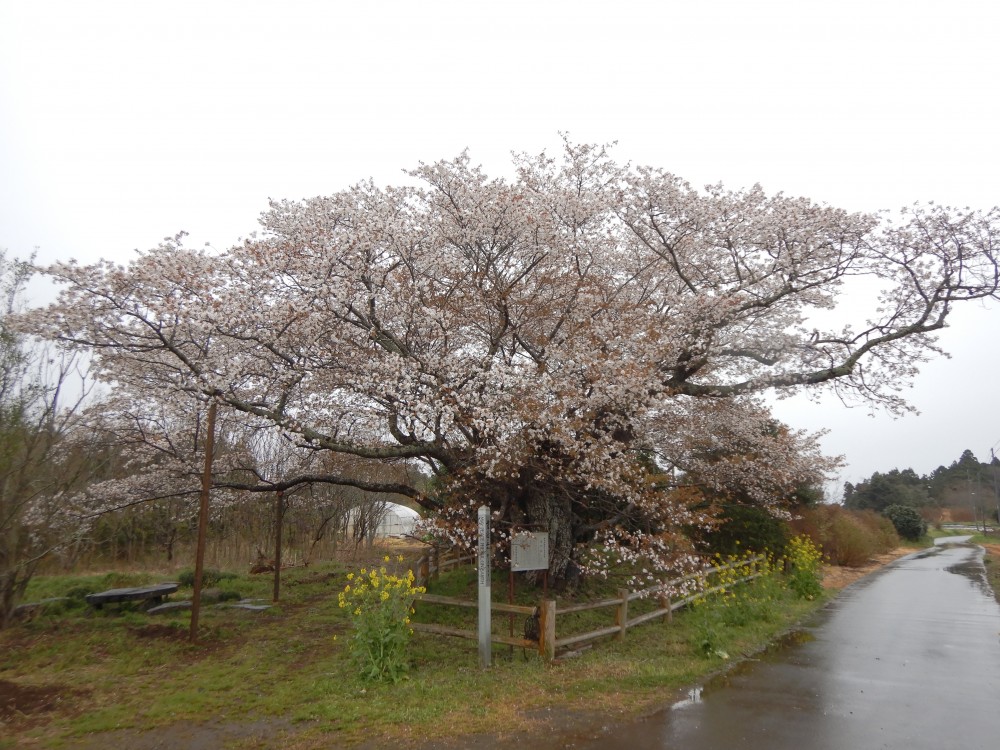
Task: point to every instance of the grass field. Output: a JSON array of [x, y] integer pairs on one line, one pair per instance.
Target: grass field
[[75, 677]]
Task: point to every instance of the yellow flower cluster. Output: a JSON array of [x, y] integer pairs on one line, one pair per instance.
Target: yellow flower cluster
[[804, 563], [373, 587], [802, 551], [730, 572], [380, 603]]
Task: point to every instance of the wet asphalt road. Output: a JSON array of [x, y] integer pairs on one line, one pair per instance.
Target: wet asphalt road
[[906, 658]]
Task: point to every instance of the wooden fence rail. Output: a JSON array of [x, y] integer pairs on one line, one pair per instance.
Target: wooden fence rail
[[434, 562], [548, 643], [511, 609]]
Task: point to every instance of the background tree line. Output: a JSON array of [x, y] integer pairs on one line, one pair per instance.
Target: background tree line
[[968, 489]]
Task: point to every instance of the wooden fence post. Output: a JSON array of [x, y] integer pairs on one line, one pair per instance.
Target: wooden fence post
[[621, 617], [547, 629], [667, 605], [423, 568]]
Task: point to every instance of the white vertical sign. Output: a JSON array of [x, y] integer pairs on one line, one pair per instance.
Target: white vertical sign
[[485, 591]]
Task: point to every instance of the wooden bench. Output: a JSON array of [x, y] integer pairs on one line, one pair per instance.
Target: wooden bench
[[154, 594]]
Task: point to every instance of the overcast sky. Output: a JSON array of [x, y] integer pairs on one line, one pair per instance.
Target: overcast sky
[[124, 122]]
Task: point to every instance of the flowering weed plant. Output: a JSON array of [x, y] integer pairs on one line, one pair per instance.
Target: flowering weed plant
[[740, 590], [380, 604], [803, 561]]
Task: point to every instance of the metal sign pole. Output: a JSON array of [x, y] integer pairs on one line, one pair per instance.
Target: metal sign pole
[[485, 591]]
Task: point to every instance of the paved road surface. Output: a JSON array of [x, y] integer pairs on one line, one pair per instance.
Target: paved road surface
[[907, 658]]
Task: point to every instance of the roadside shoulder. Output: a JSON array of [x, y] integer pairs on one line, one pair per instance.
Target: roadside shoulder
[[837, 577]]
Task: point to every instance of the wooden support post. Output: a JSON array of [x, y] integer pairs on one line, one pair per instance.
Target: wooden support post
[[547, 630], [435, 562], [206, 486], [510, 600], [425, 569], [621, 617], [279, 514], [667, 605]]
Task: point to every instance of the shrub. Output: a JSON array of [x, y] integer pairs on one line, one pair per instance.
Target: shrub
[[380, 604], [885, 535], [744, 528], [849, 538], [908, 522], [961, 514], [852, 543]]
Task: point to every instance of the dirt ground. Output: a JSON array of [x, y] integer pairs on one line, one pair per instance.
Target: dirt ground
[[837, 576], [24, 700], [993, 550]]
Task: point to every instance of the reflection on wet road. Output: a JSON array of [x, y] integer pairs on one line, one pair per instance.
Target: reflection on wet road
[[908, 658]]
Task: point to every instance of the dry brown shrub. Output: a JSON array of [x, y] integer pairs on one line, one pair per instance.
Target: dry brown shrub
[[848, 538]]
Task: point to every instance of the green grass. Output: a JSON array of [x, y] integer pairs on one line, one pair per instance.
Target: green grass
[[991, 561], [125, 669]]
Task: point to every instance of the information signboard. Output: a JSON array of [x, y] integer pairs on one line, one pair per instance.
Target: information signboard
[[529, 550]]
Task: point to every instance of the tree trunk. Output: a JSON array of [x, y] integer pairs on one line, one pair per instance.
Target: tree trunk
[[553, 514], [13, 584], [8, 599]]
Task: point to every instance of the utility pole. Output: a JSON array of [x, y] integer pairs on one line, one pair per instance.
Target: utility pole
[[996, 492], [972, 498]]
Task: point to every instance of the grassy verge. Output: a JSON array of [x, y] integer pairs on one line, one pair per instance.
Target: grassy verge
[[125, 670], [991, 560]]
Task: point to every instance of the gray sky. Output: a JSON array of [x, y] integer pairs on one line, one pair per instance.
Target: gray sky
[[124, 122]]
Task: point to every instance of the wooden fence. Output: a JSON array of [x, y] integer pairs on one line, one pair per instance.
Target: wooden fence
[[434, 562], [548, 643]]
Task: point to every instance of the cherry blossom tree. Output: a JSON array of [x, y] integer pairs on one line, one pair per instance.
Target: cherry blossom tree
[[566, 344], [42, 461]]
